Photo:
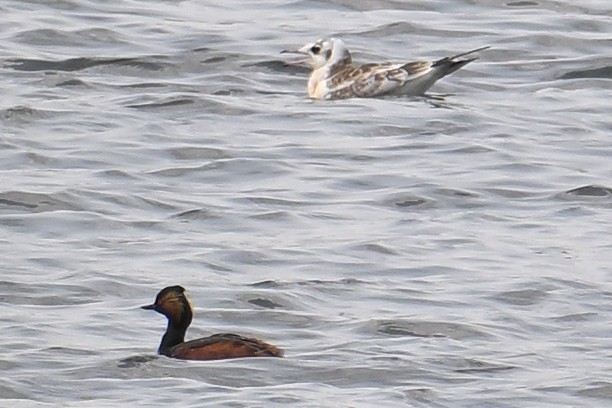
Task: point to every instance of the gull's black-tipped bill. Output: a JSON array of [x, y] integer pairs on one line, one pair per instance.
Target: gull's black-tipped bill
[[302, 60]]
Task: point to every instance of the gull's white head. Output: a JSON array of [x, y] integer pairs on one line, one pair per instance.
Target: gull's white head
[[327, 51]]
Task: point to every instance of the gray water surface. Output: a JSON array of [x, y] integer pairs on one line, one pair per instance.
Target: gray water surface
[[445, 251]]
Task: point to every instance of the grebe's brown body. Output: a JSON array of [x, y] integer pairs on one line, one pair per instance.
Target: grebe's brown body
[[172, 303]]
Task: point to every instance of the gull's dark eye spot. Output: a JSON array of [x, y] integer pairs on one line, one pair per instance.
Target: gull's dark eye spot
[[315, 49]]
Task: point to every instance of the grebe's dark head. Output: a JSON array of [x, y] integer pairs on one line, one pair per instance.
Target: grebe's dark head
[[326, 51], [172, 303]]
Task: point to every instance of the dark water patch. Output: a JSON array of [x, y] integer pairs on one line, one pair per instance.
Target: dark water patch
[[214, 60], [180, 171], [119, 200], [449, 192], [248, 168], [394, 130], [557, 282], [79, 64], [47, 262], [153, 63], [276, 202], [417, 272], [78, 83], [16, 203], [169, 102], [47, 37], [69, 351], [69, 65], [114, 173], [35, 202], [476, 366], [576, 317], [136, 361], [203, 49], [407, 147], [275, 284], [278, 66], [267, 284], [271, 216], [156, 204], [436, 127], [231, 91], [197, 153], [23, 114], [398, 27], [590, 191], [600, 389], [329, 216], [376, 248], [63, 5], [43, 294], [473, 149], [145, 85], [522, 297], [219, 267], [209, 56], [459, 198], [522, 4], [601, 72], [341, 282], [367, 183], [197, 214], [225, 107], [91, 37], [419, 328], [409, 203], [265, 303], [509, 193], [100, 36], [9, 390], [247, 257]]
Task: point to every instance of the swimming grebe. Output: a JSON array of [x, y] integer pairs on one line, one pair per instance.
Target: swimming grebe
[[172, 303]]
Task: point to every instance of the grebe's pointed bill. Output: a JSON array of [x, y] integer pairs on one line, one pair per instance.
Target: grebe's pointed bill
[[148, 307]]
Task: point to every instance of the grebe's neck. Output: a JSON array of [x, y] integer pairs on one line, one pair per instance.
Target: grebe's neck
[[175, 334]]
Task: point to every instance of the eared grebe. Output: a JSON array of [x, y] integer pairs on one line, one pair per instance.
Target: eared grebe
[[172, 303]]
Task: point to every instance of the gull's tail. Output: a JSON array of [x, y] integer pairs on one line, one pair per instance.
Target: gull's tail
[[448, 65]]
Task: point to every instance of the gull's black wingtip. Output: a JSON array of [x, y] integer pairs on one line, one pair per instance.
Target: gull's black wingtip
[[463, 54]]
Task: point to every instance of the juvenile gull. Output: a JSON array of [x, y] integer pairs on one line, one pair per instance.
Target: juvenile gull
[[334, 76]]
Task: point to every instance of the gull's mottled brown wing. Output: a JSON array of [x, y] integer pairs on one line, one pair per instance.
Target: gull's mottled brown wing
[[374, 79], [416, 69]]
